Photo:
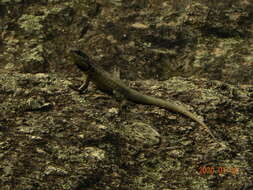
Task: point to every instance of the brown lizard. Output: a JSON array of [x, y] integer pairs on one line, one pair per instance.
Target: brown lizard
[[112, 86]]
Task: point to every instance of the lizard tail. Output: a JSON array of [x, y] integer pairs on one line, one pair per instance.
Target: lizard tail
[[148, 100]]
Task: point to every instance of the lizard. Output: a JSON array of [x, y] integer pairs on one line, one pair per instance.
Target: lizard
[[113, 86]]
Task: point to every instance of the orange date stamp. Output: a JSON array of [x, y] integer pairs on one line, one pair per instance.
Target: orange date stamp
[[209, 170]]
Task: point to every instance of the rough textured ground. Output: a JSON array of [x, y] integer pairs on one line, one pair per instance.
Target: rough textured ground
[[197, 53]]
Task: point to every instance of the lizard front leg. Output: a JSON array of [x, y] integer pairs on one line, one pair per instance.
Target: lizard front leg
[[84, 87]]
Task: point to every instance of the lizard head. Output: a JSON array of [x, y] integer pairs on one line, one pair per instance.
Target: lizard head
[[80, 59]]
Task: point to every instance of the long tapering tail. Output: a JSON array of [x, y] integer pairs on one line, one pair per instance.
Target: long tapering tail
[[149, 100]]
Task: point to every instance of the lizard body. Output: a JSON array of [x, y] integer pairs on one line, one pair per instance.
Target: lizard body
[[109, 85]]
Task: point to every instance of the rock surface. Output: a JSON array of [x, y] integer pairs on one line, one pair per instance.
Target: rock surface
[[197, 53]]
